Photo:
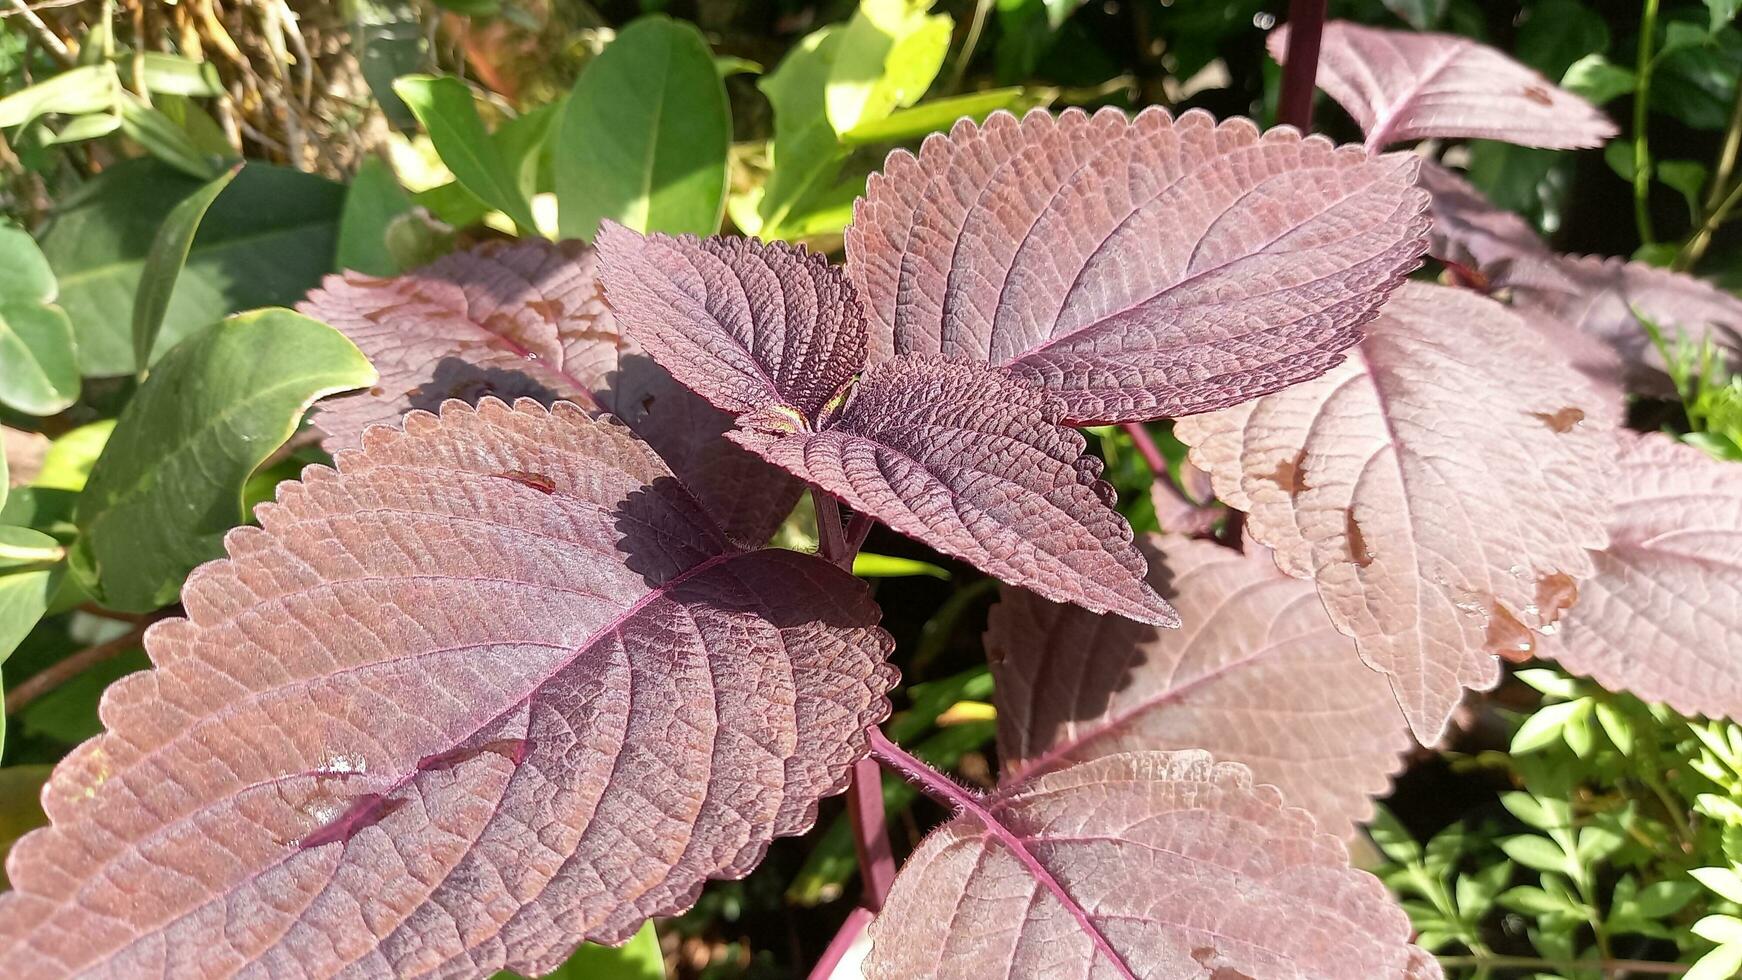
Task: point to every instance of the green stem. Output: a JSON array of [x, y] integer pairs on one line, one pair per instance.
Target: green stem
[[1641, 107], [1696, 245]]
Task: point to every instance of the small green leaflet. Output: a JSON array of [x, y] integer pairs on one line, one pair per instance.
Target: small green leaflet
[[169, 482], [39, 372], [163, 264], [444, 105], [30, 571], [644, 136]]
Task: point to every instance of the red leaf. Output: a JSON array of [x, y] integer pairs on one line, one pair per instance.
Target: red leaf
[[1662, 619], [1402, 86], [529, 320], [1442, 488], [1257, 675], [1143, 864], [747, 325], [1136, 268], [493, 687], [1470, 230], [977, 466]]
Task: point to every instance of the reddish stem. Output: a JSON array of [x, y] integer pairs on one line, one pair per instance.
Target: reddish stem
[[870, 833], [858, 529], [831, 541], [1147, 448], [857, 922], [963, 801], [1300, 63]]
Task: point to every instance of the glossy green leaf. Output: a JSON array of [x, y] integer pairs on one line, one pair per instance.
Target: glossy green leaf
[[265, 242], [172, 74], [29, 574], [1535, 852], [1545, 726], [372, 202], [1725, 881], [170, 482], [1598, 79], [525, 145], [90, 88], [637, 959], [644, 136], [1723, 963], [890, 51], [38, 366], [889, 566], [444, 106], [163, 138], [163, 264], [1726, 929], [935, 116]]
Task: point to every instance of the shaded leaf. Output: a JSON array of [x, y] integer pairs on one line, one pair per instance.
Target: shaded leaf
[[977, 466], [1468, 229], [28, 579], [169, 483], [1600, 298], [1441, 487], [20, 809], [372, 203], [1402, 86], [529, 319], [1136, 268], [539, 666], [444, 106], [1143, 864], [39, 374], [1257, 675], [644, 135], [163, 264], [752, 327], [163, 138], [1663, 615], [265, 242]]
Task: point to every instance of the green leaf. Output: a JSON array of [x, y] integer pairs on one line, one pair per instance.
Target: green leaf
[[170, 482], [1392, 838], [29, 575], [637, 959], [1546, 726], [172, 74], [1550, 682], [1420, 14], [81, 128], [38, 365], [890, 51], [1557, 33], [266, 242], [1679, 35], [1535, 901], [1599, 843], [20, 805], [76, 91], [1726, 929], [1618, 154], [805, 155], [1616, 726], [67, 464], [444, 106], [1722, 12], [163, 264], [1686, 176], [1725, 881], [1598, 79], [1534, 812], [937, 115], [1663, 898], [163, 138], [644, 137], [1536, 852], [889, 566], [1697, 85], [1722, 963], [372, 202]]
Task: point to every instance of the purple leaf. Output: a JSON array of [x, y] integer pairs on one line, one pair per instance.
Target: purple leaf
[[1136, 268], [1468, 229], [1402, 86], [749, 326], [1441, 488], [1143, 864], [1598, 297], [494, 686], [529, 320], [1257, 675], [977, 466], [1662, 619]]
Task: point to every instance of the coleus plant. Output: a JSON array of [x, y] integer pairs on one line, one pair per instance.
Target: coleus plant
[[511, 675]]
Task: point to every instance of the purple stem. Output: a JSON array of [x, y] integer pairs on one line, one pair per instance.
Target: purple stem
[[857, 921], [1300, 63], [858, 529], [870, 833], [963, 801], [831, 541]]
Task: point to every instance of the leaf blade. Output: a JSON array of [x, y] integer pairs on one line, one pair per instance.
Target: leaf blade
[[163, 264]]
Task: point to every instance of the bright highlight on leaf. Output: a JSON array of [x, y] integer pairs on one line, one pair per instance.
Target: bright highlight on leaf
[[1256, 675], [1136, 268], [1661, 617], [1441, 487], [1402, 86], [502, 646], [1142, 864]]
